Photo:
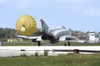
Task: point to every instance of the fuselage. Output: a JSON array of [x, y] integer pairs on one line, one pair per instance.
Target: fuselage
[[54, 34]]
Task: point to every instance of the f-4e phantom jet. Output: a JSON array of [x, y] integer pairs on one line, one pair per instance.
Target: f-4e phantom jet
[[45, 33]]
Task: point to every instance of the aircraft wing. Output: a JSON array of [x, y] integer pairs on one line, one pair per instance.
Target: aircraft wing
[[36, 38], [67, 37]]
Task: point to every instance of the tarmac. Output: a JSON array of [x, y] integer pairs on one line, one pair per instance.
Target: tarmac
[[9, 51]]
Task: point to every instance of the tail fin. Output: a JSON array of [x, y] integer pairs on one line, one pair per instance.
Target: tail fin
[[44, 25]]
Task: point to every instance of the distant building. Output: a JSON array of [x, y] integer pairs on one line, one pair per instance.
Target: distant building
[[99, 37], [91, 37]]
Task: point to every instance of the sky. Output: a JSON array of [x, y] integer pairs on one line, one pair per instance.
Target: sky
[[81, 15]]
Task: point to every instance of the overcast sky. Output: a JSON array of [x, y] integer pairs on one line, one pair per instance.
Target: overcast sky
[[81, 15]]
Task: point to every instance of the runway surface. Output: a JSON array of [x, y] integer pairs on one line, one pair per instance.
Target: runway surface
[[8, 51]]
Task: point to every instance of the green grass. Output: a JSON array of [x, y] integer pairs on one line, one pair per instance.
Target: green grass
[[62, 60], [19, 44], [44, 44]]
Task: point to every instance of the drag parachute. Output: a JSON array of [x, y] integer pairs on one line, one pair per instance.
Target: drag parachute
[[26, 25]]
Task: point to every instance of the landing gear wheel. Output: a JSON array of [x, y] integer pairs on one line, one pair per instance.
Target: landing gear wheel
[[39, 43], [65, 44]]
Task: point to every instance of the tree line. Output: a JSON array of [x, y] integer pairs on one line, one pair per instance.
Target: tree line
[[6, 33], [80, 34]]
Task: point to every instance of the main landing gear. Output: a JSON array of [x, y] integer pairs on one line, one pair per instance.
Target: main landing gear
[[67, 44], [39, 43]]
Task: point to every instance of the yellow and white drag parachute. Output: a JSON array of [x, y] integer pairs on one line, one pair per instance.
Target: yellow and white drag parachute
[[26, 25]]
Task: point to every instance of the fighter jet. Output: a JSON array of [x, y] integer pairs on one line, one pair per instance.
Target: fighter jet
[[53, 34]]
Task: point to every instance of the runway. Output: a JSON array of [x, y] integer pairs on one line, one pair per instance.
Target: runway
[[9, 51]]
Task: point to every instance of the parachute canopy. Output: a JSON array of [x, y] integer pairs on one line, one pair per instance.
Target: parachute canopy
[[26, 25]]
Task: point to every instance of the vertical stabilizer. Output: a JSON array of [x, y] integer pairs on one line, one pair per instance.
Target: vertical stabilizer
[[44, 26]]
